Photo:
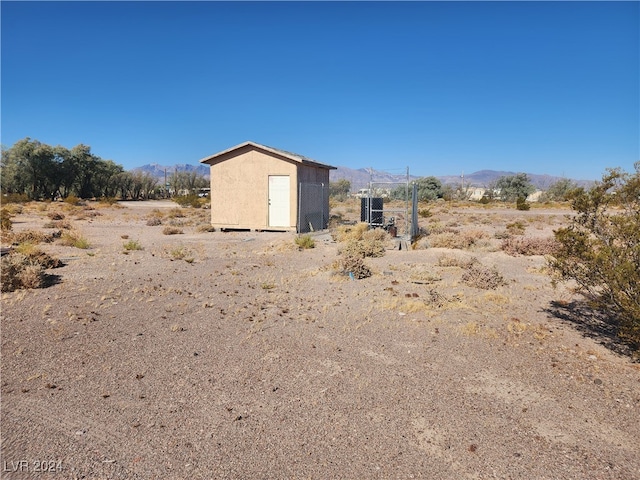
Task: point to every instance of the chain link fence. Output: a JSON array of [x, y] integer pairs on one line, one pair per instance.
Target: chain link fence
[[313, 207]]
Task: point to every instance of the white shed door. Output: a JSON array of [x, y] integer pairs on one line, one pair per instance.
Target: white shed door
[[279, 210]]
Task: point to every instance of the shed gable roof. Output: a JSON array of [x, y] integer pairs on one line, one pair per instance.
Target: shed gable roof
[[282, 153]]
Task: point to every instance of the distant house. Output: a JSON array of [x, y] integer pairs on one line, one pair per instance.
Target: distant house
[[255, 187]]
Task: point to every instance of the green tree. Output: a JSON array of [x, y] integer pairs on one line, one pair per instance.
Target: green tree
[[187, 182], [559, 191], [513, 187], [429, 189], [340, 189], [600, 249]]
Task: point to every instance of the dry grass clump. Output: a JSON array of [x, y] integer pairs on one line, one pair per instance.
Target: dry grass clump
[[169, 230], [344, 233], [529, 246], [456, 261], [305, 242], [55, 215], [516, 228], [74, 239], [456, 240], [154, 218], [132, 245], [37, 256], [181, 253], [176, 213], [25, 268], [59, 224], [34, 236], [205, 227], [5, 219], [479, 276]]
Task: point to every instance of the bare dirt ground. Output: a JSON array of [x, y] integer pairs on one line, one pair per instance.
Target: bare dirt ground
[[235, 355]]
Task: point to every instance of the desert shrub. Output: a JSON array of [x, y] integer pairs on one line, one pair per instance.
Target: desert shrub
[[206, 227], [19, 272], [25, 268], [5, 219], [479, 276], [74, 239], [424, 212], [374, 242], [181, 253], [188, 200], [175, 213], [60, 224], [600, 249], [109, 200], [529, 245], [456, 240], [516, 228], [55, 215], [154, 221], [132, 245], [36, 256], [34, 236], [345, 233], [169, 230], [354, 265], [15, 198], [72, 200], [456, 261], [522, 204], [305, 241]]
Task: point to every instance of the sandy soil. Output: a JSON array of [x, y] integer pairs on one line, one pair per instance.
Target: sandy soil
[[236, 355]]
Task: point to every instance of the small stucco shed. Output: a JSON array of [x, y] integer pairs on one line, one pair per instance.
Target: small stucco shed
[[256, 187]]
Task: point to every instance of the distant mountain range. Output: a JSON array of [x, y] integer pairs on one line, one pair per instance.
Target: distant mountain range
[[361, 177]]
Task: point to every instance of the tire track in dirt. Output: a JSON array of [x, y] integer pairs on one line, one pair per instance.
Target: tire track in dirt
[[76, 434], [574, 429]]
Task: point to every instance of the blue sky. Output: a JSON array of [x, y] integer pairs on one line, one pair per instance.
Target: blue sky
[[440, 87]]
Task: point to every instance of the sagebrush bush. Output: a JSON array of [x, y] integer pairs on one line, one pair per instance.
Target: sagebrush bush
[[354, 265], [456, 261], [59, 224], [36, 256], [154, 221], [479, 276], [192, 200], [529, 245], [34, 236], [25, 270], [169, 230], [350, 232], [456, 240], [5, 220], [600, 249], [205, 227], [55, 215]]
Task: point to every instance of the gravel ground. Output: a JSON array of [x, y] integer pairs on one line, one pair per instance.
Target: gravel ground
[[236, 355]]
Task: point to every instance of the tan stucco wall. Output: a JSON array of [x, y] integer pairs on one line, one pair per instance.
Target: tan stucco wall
[[240, 189]]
